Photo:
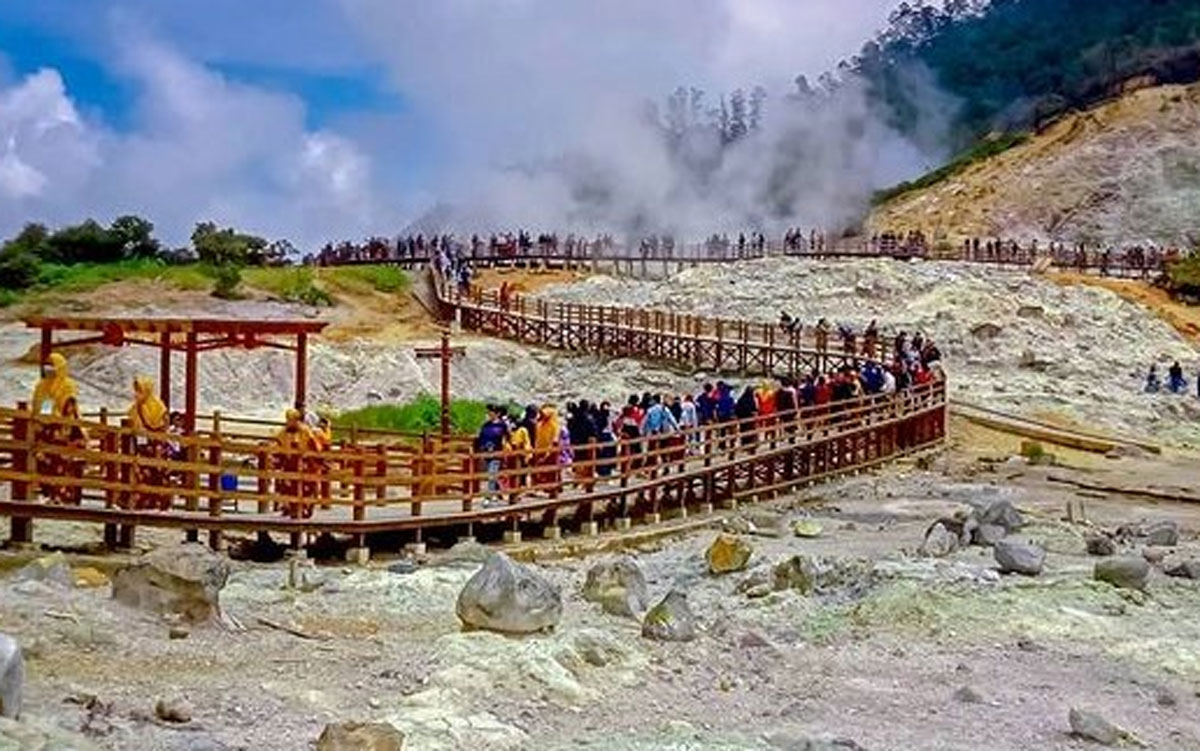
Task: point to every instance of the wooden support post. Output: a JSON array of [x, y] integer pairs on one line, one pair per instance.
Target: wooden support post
[[189, 384], [301, 370], [215, 474], [21, 527], [164, 369]]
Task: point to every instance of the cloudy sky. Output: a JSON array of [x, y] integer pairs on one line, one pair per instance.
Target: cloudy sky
[[323, 119]]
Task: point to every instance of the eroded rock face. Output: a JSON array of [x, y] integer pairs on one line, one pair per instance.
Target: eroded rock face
[[12, 677], [618, 586], [360, 736], [510, 598], [670, 620], [1128, 572], [728, 553], [183, 581]]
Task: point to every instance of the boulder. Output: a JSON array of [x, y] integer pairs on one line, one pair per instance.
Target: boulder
[[182, 580], [1019, 557], [1155, 555], [811, 575], [670, 620], [727, 554], [1093, 727], [939, 542], [174, 709], [1002, 513], [1100, 545], [12, 677], [1161, 533], [1189, 569], [510, 598], [618, 586], [1128, 572], [49, 569], [986, 330], [988, 535], [360, 736]]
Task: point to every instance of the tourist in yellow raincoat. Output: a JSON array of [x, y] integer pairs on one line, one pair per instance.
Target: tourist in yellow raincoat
[[296, 435], [149, 416], [55, 386], [547, 433], [55, 395]]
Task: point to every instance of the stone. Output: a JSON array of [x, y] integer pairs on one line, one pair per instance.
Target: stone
[[466, 551], [1154, 555], [1161, 533], [509, 598], [1127, 572], [618, 586], [787, 741], [812, 575], [1019, 557], [178, 632], [360, 736], [403, 567], [986, 330], [1189, 569], [989, 534], [727, 554], [1001, 512], [1093, 727], [87, 577], [1100, 545], [939, 542], [968, 695], [175, 709], [49, 569], [183, 581], [807, 528], [766, 523], [1165, 697], [12, 677], [670, 620]]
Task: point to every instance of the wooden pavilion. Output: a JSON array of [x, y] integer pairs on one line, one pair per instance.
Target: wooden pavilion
[[188, 336]]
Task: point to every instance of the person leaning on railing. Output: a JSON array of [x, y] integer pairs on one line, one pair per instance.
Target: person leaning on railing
[[300, 455]]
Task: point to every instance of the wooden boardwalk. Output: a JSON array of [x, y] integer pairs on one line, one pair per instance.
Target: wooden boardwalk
[[226, 477]]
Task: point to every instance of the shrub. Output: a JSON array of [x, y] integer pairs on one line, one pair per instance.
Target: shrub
[[387, 279], [227, 279], [291, 284], [18, 268], [1183, 277]]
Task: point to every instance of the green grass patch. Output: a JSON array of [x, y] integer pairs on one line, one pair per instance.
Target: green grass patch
[[290, 283], [419, 415], [985, 149], [85, 277], [363, 279]]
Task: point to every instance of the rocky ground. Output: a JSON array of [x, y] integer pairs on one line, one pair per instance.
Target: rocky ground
[[1125, 172], [893, 650], [1011, 341]]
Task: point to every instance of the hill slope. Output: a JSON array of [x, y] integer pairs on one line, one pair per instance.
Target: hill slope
[[1127, 171]]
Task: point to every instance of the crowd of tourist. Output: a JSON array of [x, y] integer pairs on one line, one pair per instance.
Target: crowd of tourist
[[1138, 259], [593, 440]]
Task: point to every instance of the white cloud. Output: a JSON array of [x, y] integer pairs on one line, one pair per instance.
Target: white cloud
[[202, 147]]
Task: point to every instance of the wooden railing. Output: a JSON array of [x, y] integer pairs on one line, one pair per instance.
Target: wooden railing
[[229, 476]]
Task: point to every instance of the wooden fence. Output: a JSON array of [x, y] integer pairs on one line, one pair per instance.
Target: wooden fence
[[229, 476]]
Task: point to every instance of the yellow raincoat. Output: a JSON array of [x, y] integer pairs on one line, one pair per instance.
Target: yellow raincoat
[[148, 411], [55, 387]]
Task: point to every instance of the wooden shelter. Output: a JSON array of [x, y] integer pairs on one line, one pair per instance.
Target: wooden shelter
[[188, 336]]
